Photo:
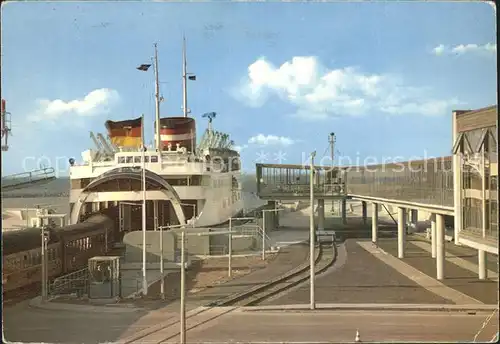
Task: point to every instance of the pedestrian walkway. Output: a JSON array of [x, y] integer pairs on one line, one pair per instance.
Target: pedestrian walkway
[[419, 277], [450, 257], [456, 277]]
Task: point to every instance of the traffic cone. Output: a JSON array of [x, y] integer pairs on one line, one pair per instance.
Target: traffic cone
[[358, 338]]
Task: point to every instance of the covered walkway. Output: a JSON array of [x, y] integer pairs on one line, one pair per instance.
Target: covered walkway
[[462, 187]]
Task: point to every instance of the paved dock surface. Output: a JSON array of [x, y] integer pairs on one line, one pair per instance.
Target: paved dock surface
[[359, 277], [456, 277], [23, 323], [340, 326]]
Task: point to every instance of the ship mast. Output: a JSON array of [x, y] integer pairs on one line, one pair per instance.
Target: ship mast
[[184, 79], [157, 95]]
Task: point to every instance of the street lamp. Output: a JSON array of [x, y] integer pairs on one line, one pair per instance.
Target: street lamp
[[311, 228]]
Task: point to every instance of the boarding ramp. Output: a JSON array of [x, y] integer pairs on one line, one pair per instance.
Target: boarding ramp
[[26, 179], [292, 182], [423, 185]]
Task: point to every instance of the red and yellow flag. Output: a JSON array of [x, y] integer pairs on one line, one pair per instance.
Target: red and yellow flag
[[125, 133]]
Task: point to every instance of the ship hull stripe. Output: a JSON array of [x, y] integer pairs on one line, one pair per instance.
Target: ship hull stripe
[[178, 137]]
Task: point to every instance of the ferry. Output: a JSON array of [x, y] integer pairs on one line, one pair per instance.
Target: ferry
[[181, 183]]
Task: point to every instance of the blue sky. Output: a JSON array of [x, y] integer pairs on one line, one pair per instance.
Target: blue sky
[[384, 76]]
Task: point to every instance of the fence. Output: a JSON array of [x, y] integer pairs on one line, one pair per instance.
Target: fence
[[75, 282]]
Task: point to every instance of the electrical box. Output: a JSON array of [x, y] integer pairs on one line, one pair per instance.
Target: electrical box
[[104, 277]]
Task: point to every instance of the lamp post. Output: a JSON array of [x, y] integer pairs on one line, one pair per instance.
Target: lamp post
[[230, 248], [45, 239], [311, 228], [183, 289]]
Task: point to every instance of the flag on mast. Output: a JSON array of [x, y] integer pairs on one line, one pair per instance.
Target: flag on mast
[[144, 67]]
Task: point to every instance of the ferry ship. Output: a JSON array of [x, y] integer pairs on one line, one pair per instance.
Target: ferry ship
[[185, 183]]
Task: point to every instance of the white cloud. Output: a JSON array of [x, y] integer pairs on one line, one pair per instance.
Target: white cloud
[[96, 102], [240, 148], [320, 93], [266, 140], [464, 49]]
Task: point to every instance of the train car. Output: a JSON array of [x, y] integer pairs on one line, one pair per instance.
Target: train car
[[22, 257], [85, 240], [69, 249]]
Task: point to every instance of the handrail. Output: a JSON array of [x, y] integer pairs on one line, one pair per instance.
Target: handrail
[[25, 178]]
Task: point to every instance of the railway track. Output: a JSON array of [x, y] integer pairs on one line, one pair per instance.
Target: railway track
[[325, 258], [326, 254]]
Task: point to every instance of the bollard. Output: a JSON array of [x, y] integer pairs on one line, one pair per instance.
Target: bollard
[[357, 339]]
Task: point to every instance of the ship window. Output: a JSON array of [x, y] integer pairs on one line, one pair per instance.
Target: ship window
[[137, 159], [146, 159], [154, 158], [121, 160], [129, 160]]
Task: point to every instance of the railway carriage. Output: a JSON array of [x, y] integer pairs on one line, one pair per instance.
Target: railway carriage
[[69, 249]]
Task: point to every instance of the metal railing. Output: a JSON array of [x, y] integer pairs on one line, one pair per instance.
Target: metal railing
[[26, 178], [75, 282]]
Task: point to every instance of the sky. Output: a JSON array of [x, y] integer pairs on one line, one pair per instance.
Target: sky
[[383, 76]]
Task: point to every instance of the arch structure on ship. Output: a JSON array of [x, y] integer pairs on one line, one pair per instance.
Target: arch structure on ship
[[118, 194]]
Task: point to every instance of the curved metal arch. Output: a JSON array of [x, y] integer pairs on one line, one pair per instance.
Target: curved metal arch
[[130, 173]]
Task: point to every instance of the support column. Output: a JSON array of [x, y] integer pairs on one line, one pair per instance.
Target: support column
[[374, 222], [457, 184], [483, 271], [401, 232], [433, 235], [321, 214], [155, 215], [440, 249], [364, 212], [344, 211], [414, 219]]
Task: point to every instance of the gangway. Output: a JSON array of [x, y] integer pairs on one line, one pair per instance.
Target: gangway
[[24, 179]]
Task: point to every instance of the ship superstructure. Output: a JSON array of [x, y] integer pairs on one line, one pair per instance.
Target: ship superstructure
[[186, 182]]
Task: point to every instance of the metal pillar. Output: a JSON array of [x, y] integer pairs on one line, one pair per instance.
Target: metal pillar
[[457, 184], [483, 271], [440, 249], [230, 248], [401, 232], [374, 222], [321, 214], [264, 235], [364, 211], [311, 234], [183, 290], [45, 239], [433, 235]]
